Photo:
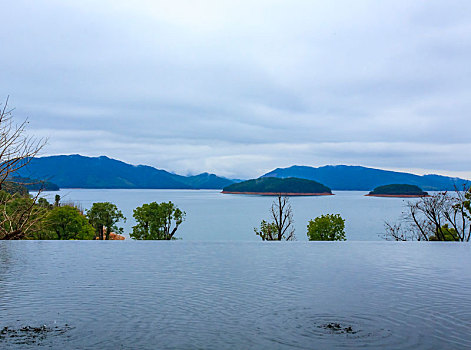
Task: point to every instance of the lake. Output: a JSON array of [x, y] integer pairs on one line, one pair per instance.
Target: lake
[[234, 295], [213, 216]]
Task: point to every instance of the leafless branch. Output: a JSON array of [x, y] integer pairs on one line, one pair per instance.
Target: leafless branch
[[441, 217], [17, 149], [19, 215]]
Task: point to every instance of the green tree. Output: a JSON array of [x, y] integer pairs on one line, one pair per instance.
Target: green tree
[[104, 217], [156, 221], [330, 227], [57, 200], [268, 231], [43, 203], [448, 234], [69, 223]]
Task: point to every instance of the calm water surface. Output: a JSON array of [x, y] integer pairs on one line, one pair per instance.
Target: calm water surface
[[212, 216], [235, 295]]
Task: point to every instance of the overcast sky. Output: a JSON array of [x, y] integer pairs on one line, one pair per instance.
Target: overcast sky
[[238, 88]]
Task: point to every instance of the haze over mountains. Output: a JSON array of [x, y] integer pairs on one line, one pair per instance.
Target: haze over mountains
[[76, 171]]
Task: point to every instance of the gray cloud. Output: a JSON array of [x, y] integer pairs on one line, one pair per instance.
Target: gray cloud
[[238, 88]]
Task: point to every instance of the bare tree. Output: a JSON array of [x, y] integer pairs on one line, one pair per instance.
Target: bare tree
[[19, 215], [395, 232], [17, 149], [281, 228], [441, 217]]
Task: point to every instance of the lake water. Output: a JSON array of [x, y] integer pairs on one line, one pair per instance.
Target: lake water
[[234, 295], [213, 216]]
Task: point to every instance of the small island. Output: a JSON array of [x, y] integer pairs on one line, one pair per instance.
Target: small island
[[273, 186], [398, 190]]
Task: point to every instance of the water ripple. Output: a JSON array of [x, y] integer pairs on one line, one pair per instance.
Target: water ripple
[[177, 295]]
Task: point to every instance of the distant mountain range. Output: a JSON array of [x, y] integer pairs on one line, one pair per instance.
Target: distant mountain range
[[76, 171], [344, 177]]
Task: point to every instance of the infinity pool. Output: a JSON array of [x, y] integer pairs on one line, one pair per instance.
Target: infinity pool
[[234, 295]]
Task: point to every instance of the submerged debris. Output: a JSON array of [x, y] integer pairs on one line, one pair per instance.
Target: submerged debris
[[29, 334], [337, 328]]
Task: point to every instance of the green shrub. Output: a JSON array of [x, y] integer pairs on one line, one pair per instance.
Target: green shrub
[[329, 227]]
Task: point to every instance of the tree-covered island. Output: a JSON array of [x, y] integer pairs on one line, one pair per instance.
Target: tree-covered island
[[272, 186], [398, 190]]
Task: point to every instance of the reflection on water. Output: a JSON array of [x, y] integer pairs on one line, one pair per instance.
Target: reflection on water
[[182, 295]]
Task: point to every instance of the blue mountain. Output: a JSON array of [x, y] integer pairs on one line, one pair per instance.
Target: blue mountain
[[76, 171], [345, 177]]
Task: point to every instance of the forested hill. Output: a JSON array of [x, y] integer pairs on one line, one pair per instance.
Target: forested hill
[[76, 171], [273, 185], [398, 190], [344, 177]]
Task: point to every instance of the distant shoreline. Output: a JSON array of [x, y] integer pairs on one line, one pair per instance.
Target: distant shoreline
[[398, 195], [282, 193]]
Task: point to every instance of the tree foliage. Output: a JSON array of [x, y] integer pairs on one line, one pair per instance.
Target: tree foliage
[[329, 227], [69, 223], [104, 217], [42, 202], [157, 221], [443, 216], [268, 231], [57, 200], [26, 217], [282, 226]]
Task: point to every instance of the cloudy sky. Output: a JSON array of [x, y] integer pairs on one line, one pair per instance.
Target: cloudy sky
[[241, 87]]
